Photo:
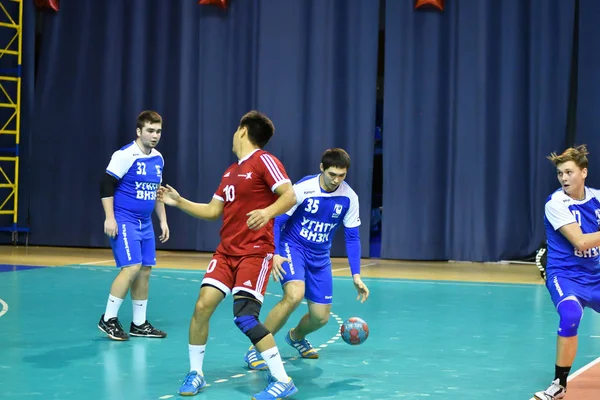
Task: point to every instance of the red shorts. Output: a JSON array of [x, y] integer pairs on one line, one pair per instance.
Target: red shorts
[[244, 273]]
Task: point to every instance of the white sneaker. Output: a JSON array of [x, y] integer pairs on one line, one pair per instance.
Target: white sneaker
[[554, 392]]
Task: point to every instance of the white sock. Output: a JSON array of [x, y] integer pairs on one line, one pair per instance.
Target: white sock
[[112, 307], [196, 357], [139, 311], [273, 360]]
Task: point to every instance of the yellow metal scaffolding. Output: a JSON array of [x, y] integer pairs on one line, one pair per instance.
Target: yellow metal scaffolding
[[11, 22]]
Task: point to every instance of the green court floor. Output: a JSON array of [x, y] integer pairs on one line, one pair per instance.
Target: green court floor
[[428, 340]]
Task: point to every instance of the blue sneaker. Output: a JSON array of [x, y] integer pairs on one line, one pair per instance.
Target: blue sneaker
[[277, 390], [255, 360], [192, 384], [302, 345]]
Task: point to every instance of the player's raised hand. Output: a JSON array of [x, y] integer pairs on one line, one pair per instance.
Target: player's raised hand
[[257, 219], [110, 227], [278, 270], [167, 195], [361, 288]]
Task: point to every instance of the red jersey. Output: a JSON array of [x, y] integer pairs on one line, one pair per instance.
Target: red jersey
[[249, 185]]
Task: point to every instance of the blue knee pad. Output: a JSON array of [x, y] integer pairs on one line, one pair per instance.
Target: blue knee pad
[[570, 312], [245, 312]]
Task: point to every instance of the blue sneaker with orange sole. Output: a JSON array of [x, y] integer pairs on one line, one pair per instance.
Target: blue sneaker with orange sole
[[302, 345], [277, 390], [255, 360], [193, 382]]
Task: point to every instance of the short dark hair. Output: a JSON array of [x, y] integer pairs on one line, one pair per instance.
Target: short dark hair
[[148, 116], [336, 157], [260, 128]]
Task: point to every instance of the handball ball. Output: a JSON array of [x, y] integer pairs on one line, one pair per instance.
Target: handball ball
[[354, 331]]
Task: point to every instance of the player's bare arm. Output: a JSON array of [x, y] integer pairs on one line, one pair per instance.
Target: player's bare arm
[[110, 223], [581, 241], [287, 199], [159, 208], [211, 211]]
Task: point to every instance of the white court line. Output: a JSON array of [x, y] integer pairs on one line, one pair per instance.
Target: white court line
[[456, 283], [346, 268], [97, 262], [196, 271], [158, 271], [579, 371], [4, 309], [583, 369]]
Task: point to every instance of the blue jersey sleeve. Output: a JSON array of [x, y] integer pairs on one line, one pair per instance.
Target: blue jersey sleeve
[[352, 236], [277, 227]]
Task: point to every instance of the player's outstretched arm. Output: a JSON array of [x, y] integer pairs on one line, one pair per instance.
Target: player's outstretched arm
[[210, 211], [287, 199], [581, 241]]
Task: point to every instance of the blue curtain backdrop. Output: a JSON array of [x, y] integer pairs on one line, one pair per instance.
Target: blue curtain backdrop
[[475, 98], [588, 89], [310, 65]]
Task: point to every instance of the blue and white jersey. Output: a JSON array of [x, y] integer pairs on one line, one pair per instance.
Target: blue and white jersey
[[561, 210], [139, 177], [318, 214]]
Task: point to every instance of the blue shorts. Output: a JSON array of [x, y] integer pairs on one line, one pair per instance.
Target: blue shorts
[[314, 270], [134, 243], [588, 294]]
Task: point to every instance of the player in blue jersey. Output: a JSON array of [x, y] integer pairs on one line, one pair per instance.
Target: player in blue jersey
[[572, 219], [302, 262], [128, 191]]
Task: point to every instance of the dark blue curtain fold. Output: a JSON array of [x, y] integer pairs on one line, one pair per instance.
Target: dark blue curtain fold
[[475, 98], [588, 88], [310, 65]]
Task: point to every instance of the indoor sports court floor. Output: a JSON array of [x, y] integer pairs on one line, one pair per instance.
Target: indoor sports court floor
[[437, 331]]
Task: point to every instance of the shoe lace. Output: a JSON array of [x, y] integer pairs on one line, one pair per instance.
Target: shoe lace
[[554, 389], [189, 379], [115, 325], [146, 326], [303, 345], [274, 384]]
